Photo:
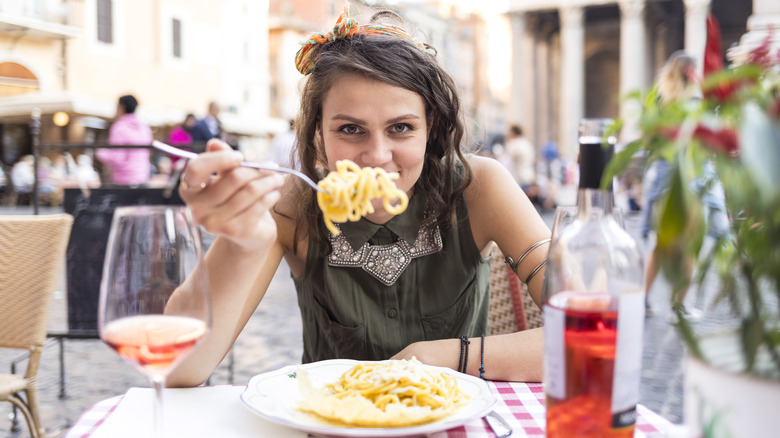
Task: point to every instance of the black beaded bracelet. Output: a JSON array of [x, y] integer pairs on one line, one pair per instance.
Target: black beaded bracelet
[[482, 359], [463, 362]]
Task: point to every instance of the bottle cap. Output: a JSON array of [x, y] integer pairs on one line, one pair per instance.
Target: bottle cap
[[595, 151]]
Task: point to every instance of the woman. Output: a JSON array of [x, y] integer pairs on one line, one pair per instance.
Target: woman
[[678, 85], [182, 134], [379, 98]]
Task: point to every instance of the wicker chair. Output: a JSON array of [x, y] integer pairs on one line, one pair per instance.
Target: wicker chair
[[32, 254], [511, 307]]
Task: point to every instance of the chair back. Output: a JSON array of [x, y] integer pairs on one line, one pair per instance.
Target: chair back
[[511, 307], [32, 256]]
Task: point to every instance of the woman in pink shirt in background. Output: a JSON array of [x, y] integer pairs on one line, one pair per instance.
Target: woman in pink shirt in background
[[128, 167], [182, 134]]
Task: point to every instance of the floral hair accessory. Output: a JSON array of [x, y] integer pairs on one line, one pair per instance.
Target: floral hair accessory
[[345, 27]]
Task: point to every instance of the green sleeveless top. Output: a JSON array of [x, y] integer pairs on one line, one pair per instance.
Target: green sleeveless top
[[360, 303]]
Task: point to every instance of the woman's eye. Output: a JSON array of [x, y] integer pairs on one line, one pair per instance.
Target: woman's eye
[[401, 128], [349, 129]]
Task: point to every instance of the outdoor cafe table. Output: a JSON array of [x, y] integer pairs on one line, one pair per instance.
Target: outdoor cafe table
[[218, 411]]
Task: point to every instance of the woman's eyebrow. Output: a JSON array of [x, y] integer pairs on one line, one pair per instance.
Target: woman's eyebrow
[[401, 118], [363, 122], [348, 119]]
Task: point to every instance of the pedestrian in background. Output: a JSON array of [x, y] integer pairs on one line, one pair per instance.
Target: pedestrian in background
[[22, 175], [3, 181], [677, 84], [85, 174], [128, 167], [523, 157], [181, 134], [674, 84], [281, 149], [209, 126]]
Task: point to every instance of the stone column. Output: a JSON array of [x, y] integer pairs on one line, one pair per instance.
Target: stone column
[[766, 16], [696, 29], [632, 63], [572, 78], [543, 71], [520, 70]]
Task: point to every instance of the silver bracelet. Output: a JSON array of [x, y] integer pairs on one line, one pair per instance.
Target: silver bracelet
[[514, 264], [536, 270]]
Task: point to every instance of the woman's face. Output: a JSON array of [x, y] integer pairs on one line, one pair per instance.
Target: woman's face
[[375, 124]]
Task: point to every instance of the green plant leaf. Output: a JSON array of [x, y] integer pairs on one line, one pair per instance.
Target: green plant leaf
[[774, 337], [690, 134], [673, 211], [687, 334], [760, 141], [751, 339], [620, 162]]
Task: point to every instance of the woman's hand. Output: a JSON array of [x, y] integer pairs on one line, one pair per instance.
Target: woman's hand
[[442, 353], [229, 200], [512, 357]]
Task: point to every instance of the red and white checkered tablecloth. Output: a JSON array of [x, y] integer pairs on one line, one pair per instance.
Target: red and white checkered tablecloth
[[520, 404]]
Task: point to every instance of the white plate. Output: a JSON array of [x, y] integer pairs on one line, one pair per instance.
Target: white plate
[[274, 396]]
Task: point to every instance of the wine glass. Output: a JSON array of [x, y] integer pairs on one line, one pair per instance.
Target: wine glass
[[154, 302]]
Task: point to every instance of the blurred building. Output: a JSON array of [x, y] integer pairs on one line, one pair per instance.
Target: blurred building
[[290, 23], [78, 56], [576, 58], [763, 23], [544, 64], [456, 32]]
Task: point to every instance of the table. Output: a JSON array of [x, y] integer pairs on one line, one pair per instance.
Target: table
[[521, 404]]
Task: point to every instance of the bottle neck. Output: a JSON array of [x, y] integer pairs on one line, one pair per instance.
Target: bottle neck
[[594, 203]]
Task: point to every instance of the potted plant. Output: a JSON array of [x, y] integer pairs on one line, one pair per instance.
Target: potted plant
[[734, 128]]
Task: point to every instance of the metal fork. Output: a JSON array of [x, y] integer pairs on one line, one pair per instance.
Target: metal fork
[[500, 427], [181, 153]]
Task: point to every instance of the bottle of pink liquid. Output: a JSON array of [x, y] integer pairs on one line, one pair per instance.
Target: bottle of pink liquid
[[593, 309]]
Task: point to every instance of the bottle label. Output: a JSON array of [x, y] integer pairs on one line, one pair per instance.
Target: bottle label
[[628, 354], [555, 352]]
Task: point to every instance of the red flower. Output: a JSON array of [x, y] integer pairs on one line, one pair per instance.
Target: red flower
[[670, 132], [722, 140], [713, 49], [761, 56], [726, 89]]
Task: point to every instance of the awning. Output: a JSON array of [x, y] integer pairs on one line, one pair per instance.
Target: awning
[[48, 103], [253, 127], [22, 105]]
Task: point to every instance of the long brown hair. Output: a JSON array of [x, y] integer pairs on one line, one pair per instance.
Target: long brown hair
[[400, 63], [674, 81]]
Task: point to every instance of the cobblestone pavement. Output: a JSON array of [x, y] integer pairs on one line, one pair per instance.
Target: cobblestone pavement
[[272, 339]]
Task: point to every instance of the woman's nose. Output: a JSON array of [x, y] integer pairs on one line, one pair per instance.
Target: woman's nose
[[378, 151]]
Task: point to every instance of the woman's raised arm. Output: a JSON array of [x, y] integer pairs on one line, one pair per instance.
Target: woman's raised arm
[[234, 203]]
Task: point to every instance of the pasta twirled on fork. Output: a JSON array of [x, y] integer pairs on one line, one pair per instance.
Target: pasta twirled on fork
[[350, 190]]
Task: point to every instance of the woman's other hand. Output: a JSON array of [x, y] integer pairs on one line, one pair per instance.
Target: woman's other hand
[[230, 200], [442, 353], [512, 357]]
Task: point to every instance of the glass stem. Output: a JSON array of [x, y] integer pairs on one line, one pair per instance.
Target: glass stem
[[159, 384]]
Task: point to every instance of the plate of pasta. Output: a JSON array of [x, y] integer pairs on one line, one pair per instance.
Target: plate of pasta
[[348, 398]]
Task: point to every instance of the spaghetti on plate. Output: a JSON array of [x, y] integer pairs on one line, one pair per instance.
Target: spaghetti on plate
[[393, 393]]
